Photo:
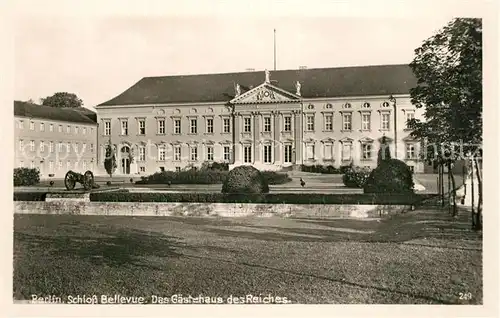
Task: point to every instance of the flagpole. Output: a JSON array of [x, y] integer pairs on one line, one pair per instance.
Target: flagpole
[[275, 49]]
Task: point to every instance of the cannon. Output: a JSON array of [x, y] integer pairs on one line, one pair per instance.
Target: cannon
[[86, 179]]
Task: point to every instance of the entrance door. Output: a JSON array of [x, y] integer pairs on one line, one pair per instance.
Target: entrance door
[[126, 166]]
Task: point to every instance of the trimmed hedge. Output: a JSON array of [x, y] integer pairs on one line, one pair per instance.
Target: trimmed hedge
[[269, 198], [26, 176], [355, 177], [390, 176], [323, 169], [207, 176], [245, 179]]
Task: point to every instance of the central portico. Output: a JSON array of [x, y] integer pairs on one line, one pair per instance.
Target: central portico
[[267, 126]]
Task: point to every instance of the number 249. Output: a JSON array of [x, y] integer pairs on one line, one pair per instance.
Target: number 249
[[465, 296]]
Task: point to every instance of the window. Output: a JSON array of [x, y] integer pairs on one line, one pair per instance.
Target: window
[[288, 154], [142, 169], [68, 147], [161, 126], [32, 145], [194, 153], [194, 126], [32, 125], [21, 164], [51, 146], [124, 131], [227, 125], [42, 127], [412, 168], [59, 147], [68, 165], [21, 145], [42, 146], [210, 125], [247, 125], [227, 153], [91, 147], [32, 165], [288, 123], [107, 128], [177, 153], [51, 166], [366, 151], [310, 152], [267, 124], [59, 129], [247, 154], [177, 169], [385, 121], [142, 127], [21, 124], [161, 153], [84, 165], [76, 129], [346, 151], [84, 146], [267, 153], [142, 153], [328, 151], [347, 121], [76, 165], [177, 126], [366, 121], [210, 153], [84, 130], [328, 122], [409, 116], [59, 165], [76, 148], [310, 123], [410, 151]]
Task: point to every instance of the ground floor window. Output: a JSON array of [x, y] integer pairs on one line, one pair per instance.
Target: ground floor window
[[328, 151], [366, 151], [194, 153], [410, 151], [346, 151], [267, 154], [210, 153], [247, 154], [142, 153], [161, 153], [288, 153], [142, 169], [178, 169], [177, 153], [310, 152], [227, 153]]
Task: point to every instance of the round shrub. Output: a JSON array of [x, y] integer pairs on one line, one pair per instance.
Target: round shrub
[[26, 176], [245, 179], [391, 176], [355, 177]]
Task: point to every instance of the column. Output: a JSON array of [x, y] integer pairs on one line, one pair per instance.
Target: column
[[236, 134], [276, 139], [297, 121], [256, 137]]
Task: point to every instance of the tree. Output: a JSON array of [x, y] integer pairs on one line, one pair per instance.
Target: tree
[[62, 100], [110, 159], [384, 153], [448, 68]]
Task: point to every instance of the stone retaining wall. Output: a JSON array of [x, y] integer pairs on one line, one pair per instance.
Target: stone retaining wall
[[207, 209]]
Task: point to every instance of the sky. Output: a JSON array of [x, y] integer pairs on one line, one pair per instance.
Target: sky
[[99, 57]]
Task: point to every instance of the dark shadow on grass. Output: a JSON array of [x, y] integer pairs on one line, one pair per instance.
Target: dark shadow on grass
[[340, 281], [119, 247]]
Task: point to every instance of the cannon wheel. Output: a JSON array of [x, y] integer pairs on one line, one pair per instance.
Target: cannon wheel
[[69, 180], [88, 180]]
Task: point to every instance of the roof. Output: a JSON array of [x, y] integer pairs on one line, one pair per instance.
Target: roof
[[25, 109], [315, 83]]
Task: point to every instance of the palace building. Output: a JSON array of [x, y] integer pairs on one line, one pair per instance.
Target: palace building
[[54, 140], [272, 120]]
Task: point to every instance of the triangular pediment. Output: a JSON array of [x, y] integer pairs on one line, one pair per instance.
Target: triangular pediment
[[264, 94]]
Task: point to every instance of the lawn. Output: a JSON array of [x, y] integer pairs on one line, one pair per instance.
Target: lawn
[[419, 257]]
